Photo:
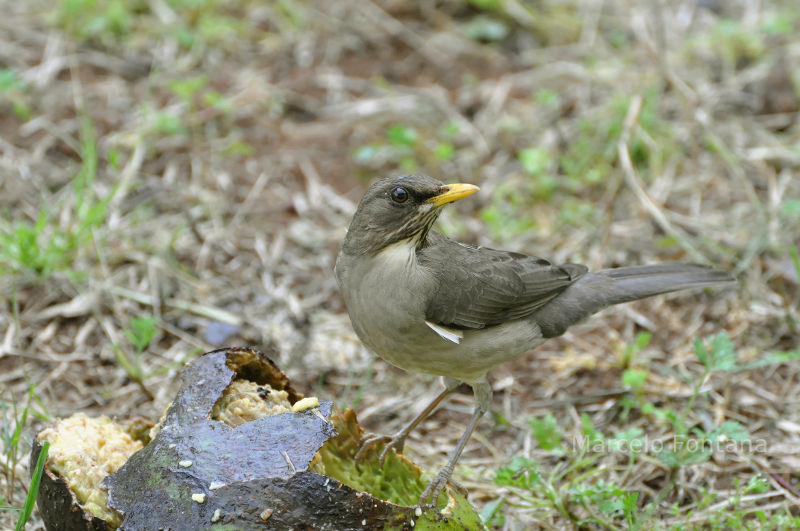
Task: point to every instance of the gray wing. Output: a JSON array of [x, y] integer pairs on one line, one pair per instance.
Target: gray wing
[[479, 287]]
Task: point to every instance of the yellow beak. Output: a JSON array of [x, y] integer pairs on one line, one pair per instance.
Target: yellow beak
[[452, 192]]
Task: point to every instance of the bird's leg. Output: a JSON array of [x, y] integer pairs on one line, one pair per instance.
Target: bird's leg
[[483, 398], [397, 441]]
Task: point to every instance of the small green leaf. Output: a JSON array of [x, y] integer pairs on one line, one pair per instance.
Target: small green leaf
[[757, 485], [723, 357], [546, 432], [217, 100], [113, 158], [500, 419], [408, 164], [548, 98], [628, 441], [643, 339], [9, 80], [521, 472], [486, 29], [629, 500], [730, 429], [668, 457], [134, 370], [648, 408], [634, 378], [611, 506], [142, 330], [791, 208], [444, 151], [186, 89], [364, 154], [773, 359], [589, 431], [402, 136], [240, 147], [450, 130], [167, 124], [491, 508], [700, 351], [535, 161], [695, 454], [185, 37], [780, 24]]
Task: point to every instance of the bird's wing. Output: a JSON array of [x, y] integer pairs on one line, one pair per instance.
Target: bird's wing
[[478, 287]]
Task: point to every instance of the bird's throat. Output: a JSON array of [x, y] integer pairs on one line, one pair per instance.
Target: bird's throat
[[399, 255], [415, 230], [368, 238]]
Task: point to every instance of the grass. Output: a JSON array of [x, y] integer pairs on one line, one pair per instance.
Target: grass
[[404, 148], [584, 480], [13, 92], [141, 333], [46, 246], [15, 416], [28, 505], [180, 168], [33, 489]]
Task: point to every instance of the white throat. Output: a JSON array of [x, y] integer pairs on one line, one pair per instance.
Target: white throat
[[401, 255]]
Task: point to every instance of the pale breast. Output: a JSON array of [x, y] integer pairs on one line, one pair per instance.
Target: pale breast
[[387, 296]]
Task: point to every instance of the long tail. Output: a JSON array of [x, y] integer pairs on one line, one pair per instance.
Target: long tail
[[595, 291]]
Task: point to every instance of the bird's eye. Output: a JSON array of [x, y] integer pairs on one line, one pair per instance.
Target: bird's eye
[[399, 195]]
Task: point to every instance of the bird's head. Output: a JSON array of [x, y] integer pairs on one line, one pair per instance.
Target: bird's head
[[400, 208]]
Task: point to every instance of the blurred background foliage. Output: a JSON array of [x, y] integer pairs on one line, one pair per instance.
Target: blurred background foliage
[[176, 175]]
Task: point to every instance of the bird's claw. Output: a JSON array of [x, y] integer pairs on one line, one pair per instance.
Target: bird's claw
[[436, 485], [396, 441]]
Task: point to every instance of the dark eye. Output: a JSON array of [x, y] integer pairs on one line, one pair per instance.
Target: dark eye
[[399, 195]]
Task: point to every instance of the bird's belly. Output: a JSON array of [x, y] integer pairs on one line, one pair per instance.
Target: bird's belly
[[390, 320], [416, 347]]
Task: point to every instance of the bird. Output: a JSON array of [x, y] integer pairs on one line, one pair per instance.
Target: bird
[[429, 304]]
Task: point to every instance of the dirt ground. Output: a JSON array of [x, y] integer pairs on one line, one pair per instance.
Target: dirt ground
[[177, 175]]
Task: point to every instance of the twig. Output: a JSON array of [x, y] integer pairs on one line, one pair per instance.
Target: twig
[[637, 187]]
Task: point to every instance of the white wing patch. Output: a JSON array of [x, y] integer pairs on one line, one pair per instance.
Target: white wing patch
[[446, 333]]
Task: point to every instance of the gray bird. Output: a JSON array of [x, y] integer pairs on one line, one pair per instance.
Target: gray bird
[[429, 304]]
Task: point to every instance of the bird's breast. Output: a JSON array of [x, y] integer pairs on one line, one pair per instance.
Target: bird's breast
[[386, 296]]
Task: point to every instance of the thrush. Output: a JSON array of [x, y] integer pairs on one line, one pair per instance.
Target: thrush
[[428, 304]]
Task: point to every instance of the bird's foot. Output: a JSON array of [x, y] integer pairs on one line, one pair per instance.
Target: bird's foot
[[396, 441], [436, 485]]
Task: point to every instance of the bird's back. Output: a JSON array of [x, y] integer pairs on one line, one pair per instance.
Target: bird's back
[[477, 287]]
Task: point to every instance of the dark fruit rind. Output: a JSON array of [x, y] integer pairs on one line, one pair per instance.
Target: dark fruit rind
[[277, 471]]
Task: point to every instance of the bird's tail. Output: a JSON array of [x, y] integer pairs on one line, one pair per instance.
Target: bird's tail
[[600, 289]]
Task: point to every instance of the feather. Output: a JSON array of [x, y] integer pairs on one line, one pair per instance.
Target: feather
[[446, 333], [479, 287]]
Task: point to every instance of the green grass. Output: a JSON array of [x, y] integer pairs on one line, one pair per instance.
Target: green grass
[[140, 333], [551, 160], [591, 157], [46, 245], [580, 486], [26, 510], [33, 488], [15, 418], [14, 92], [193, 24], [573, 177], [409, 148]]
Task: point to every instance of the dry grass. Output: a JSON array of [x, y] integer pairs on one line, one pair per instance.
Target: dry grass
[[233, 140]]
